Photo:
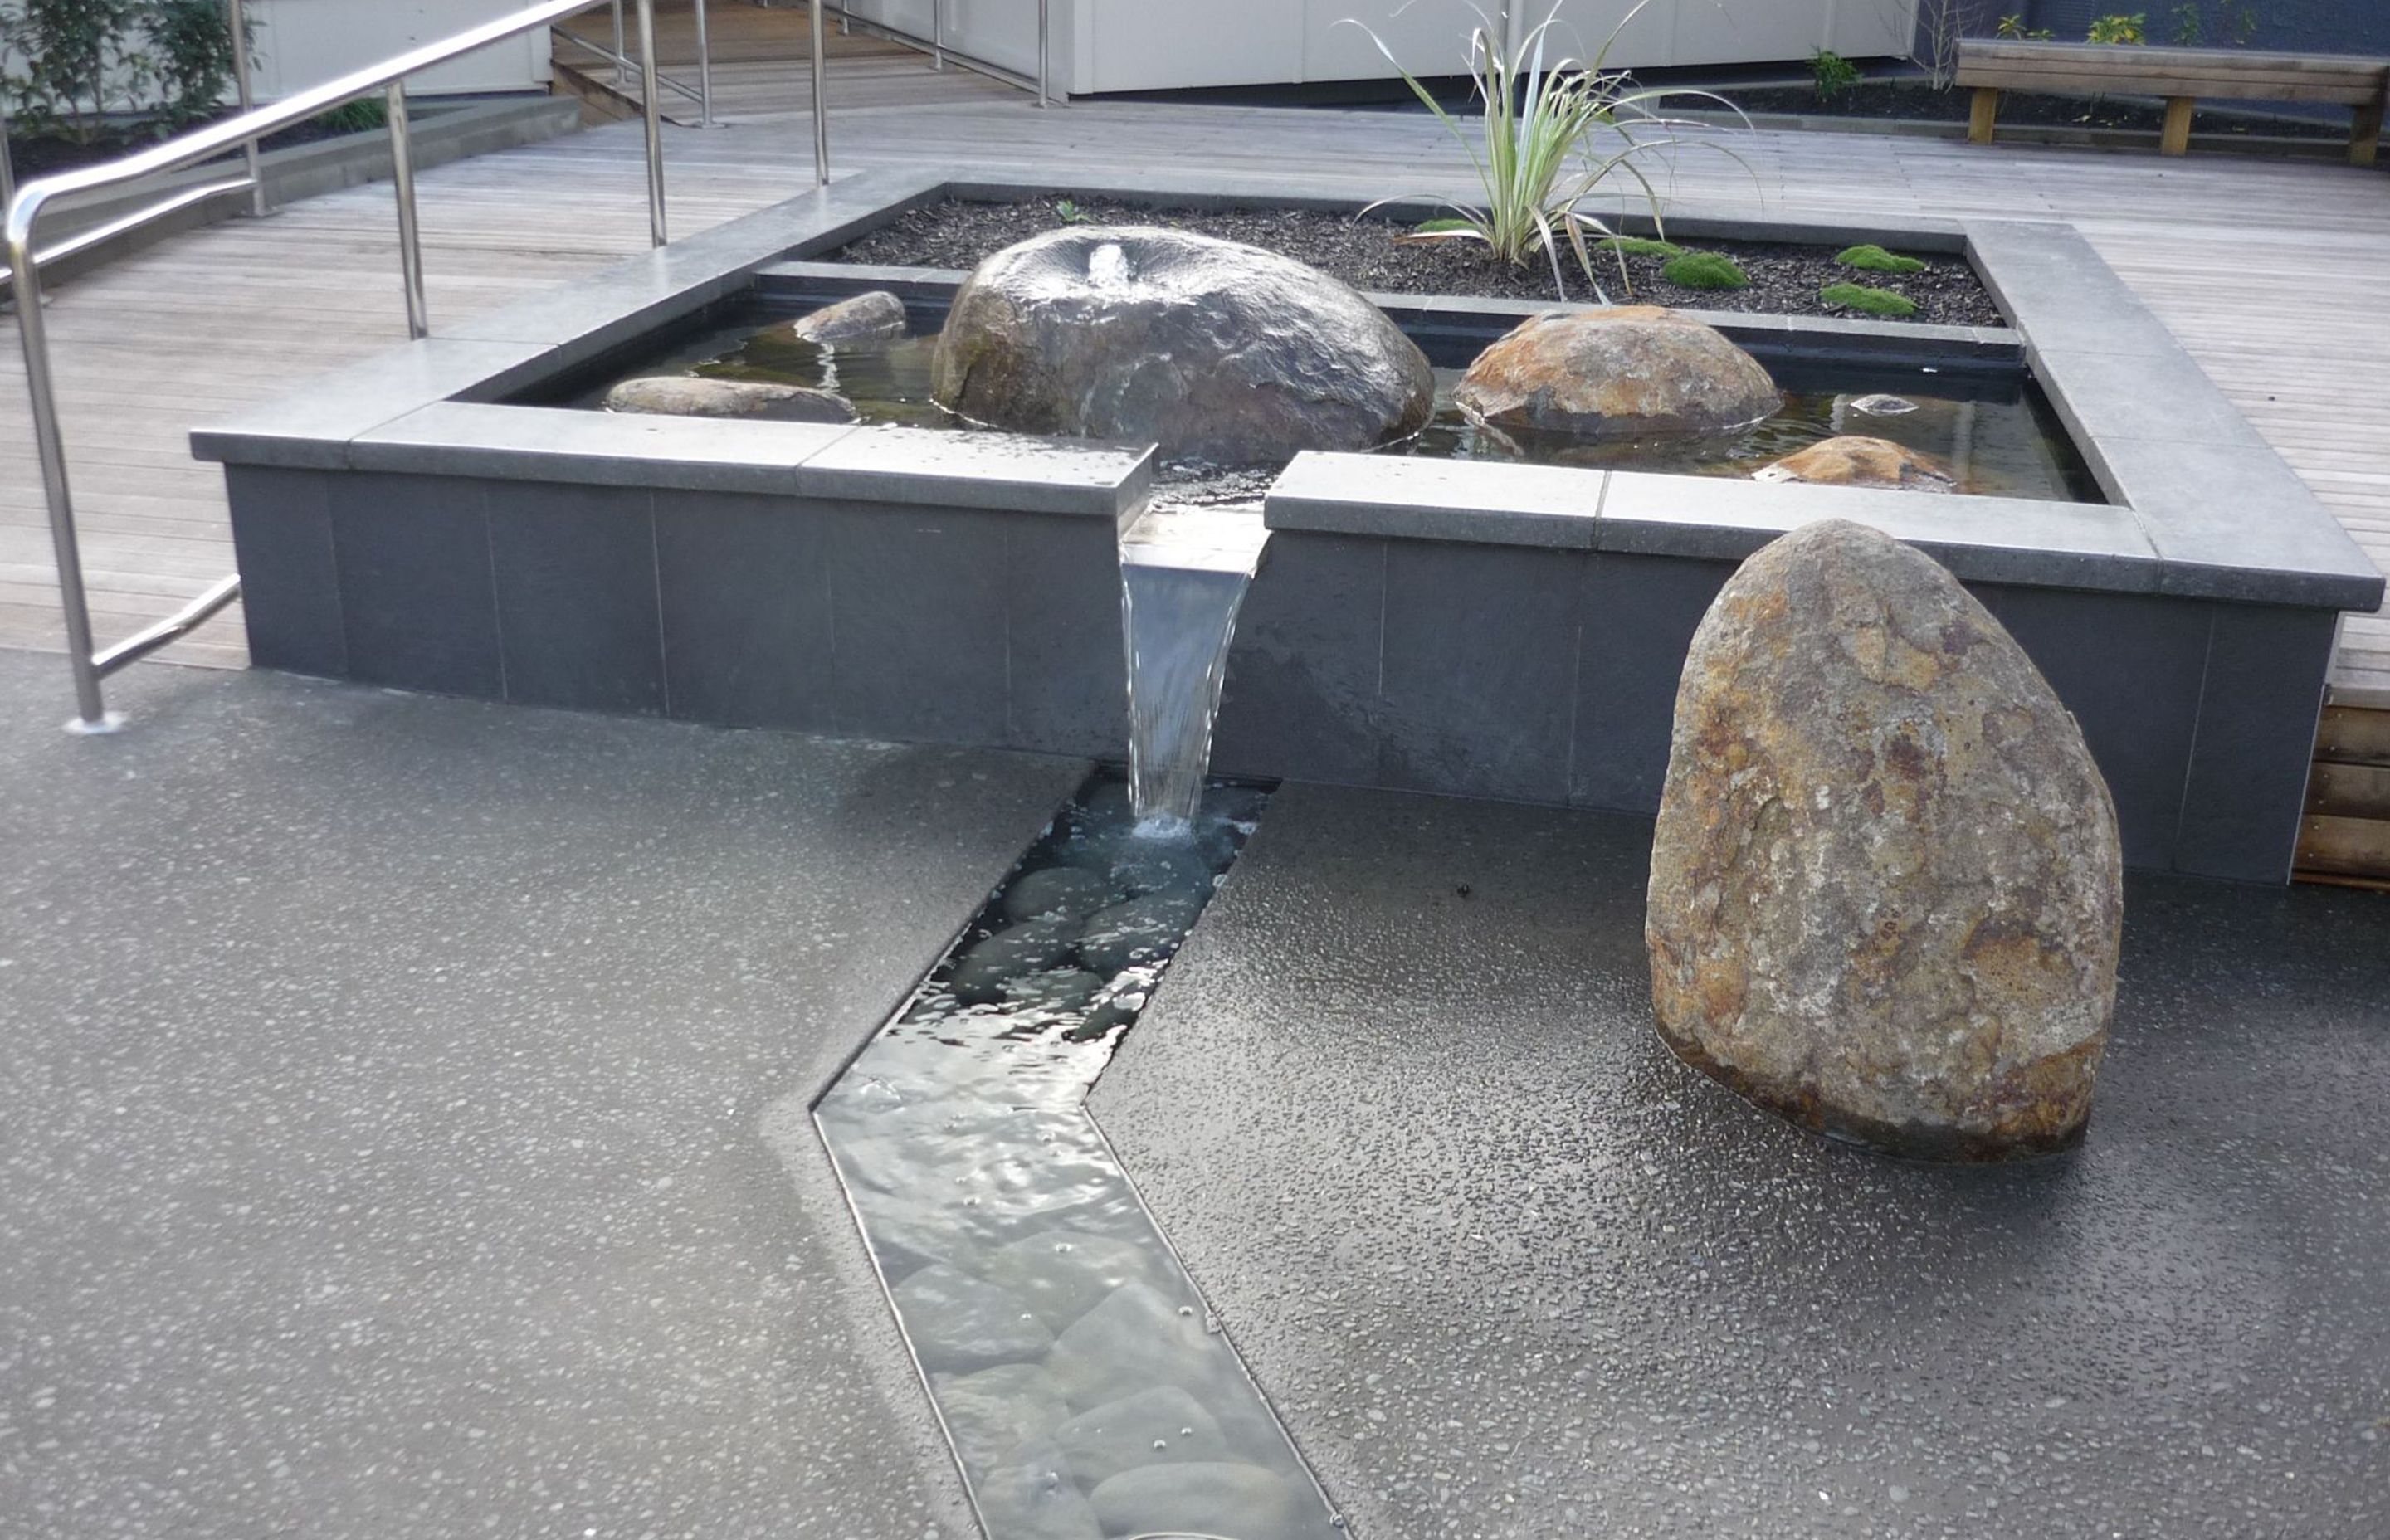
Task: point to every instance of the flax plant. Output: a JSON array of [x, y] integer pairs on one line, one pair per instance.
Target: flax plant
[[1536, 157]]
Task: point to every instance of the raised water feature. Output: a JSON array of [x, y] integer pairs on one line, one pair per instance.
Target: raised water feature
[[1084, 1385], [1481, 619]]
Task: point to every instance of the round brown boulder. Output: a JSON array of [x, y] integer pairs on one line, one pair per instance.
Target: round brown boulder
[[1622, 372], [1855, 460], [693, 396], [1886, 889], [1213, 349]]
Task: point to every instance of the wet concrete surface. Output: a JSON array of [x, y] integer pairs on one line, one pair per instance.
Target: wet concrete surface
[[1509, 1268], [380, 1145]]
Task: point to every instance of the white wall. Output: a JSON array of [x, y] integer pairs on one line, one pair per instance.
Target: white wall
[[1159, 44], [304, 43]]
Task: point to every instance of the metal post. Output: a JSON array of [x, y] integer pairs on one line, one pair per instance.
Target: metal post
[[649, 98], [621, 79], [236, 16], [821, 104], [1043, 52], [704, 71], [91, 709], [8, 166], [937, 34], [410, 234]]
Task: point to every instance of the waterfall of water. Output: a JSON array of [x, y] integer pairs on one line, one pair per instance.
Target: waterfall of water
[[1184, 574]]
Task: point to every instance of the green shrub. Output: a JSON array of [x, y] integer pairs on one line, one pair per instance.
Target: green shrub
[[1833, 73], [2120, 28], [66, 65], [357, 117], [1875, 259], [1868, 302], [2013, 29], [1639, 246], [1705, 270], [1535, 149]]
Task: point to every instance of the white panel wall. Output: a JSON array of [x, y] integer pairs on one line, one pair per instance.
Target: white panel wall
[[1161, 45], [304, 43]]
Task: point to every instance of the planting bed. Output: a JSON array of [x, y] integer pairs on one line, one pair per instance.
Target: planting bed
[[1785, 277]]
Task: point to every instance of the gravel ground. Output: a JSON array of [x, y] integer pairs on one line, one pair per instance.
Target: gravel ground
[[1784, 279]]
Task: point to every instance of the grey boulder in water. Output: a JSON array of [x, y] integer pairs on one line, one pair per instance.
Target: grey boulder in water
[[689, 396], [1213, 349], [878, 316]]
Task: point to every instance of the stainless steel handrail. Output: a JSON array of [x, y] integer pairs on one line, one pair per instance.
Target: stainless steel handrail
[[26, 205], [1041, 80], [624, 62]]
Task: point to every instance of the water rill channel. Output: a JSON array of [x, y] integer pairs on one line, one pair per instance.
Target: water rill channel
[[1084, 1388]]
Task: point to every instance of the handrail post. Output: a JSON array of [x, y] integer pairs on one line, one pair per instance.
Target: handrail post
[[237, 19], [8, 165], [649, 96], [704, 71], [410, 234], [937, 34], [622, 76], [41, 392], [821, 102], [1045, 51]]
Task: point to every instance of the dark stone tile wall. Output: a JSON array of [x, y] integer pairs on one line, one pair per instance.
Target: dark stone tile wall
[[1550, 676], [1519, 672], [865, 620]]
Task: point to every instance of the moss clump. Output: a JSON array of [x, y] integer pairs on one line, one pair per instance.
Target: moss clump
[[1868, 302], [1705, 270], [1639, 246], [1442, 226], [1875, 259]]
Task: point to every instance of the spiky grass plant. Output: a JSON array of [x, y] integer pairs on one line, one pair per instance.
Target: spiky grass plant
[[1536, 156]]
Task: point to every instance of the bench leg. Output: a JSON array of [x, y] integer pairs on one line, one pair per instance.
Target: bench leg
[[1982, 115], [2176, 136], [2365, 135]]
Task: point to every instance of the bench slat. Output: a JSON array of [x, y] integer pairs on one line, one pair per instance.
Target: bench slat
[[2168, 58], [2215, 88]]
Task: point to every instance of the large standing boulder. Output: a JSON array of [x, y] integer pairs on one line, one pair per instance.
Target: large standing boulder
[[1885, 884], [1857, 461], [1619, 372], [1214, 350]]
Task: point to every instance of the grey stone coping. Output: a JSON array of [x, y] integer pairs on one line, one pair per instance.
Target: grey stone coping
[[1008, 472], [1471, 501], [550, 443], [310, 428], [1982, 539], [2205, 497]]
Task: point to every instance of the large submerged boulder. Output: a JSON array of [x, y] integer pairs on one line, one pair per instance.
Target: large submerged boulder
[[694, 396], [1857, 460], [1885, 890], [1214, 350], [1619, 372]]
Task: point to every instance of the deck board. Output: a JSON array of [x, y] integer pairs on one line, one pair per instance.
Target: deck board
[[2294, 326]]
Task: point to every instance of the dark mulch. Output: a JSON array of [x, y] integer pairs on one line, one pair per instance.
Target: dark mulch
[[1784, 279], [1919, 102], [39, 156]]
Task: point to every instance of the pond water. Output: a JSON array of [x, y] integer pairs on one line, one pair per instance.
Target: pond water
[[2000, 437]]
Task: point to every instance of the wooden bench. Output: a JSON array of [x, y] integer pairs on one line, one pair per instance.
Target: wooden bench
[[2181, 75]]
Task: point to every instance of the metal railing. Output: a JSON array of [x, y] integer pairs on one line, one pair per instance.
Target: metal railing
[[936, 45], [701, 94], [26, 204]]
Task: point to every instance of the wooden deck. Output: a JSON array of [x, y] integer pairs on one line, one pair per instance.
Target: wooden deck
[[762, 63], [2271, 272]]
